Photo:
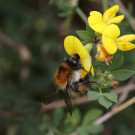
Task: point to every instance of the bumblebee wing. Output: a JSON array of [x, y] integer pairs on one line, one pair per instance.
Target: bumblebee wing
[[68, 100], [51, 94]]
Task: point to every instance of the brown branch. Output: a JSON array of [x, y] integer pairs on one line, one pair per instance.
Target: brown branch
[[125, 92], [84, 99], [115, 111], [108, 115], [23, 51], [61, 103], [8, 41]]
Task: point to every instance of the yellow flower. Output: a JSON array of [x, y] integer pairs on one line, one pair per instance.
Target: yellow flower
[[73, 46], [98, 22], [103, 55], [111, 41]]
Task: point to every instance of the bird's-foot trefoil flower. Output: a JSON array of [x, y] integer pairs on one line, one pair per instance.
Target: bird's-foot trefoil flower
[[103, 55], [99, 22], [111, 40], [73, 46]]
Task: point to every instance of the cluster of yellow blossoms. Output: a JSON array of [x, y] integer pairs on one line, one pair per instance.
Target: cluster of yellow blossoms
[[106, 25]]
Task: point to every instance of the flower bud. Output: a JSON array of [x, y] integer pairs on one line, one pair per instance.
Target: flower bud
[[116, 84]]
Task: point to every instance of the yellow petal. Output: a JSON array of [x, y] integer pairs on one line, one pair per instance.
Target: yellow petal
[[68, 45], [95, 17], [125, 45], [95, 21], [110, 13], [73, 46], [99, 27], [130, 37], [109, 36], [86, 63], [92, 71], [109, 45], [117, 19], [99, 58], [111, 31], [101, 53]]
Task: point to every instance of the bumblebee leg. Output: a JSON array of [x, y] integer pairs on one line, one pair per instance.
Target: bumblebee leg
[[89, 83], [85, 78], [87, 75]]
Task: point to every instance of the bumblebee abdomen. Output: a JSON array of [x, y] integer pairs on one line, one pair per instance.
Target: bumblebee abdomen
[[82, 89], [61, 75]]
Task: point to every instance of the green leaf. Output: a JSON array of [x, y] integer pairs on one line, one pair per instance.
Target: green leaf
[[91, 116], [83, 34], [104, 102], [91, 32], [98, 63], [123, 74], [93, 95], [28, 126], [95, 129], [87, 35], [85, 42], [111, 96], [83, 130], [57, 116], [74, 119], [117, 61]]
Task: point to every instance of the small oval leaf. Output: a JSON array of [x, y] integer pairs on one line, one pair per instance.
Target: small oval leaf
[[123, 74], [111, 96], [93, 95], [104, 102]]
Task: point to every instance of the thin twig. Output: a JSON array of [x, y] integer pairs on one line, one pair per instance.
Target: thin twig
[[84, 99], [125, 92], [115, 111], [23, 51], [8, 41], [61, 103], [108, 115]]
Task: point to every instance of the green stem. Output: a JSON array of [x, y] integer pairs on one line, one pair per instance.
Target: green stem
[[100, 91], [105, 5], [82, 15], [101, 74], [67, 22]]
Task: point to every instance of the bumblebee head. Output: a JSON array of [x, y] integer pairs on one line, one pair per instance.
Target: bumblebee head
[[73, 62]]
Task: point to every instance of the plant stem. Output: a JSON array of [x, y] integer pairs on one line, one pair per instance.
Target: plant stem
[[82, 15], [100, 91]]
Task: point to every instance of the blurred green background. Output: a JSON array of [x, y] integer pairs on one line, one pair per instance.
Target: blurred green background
[[31, 48]]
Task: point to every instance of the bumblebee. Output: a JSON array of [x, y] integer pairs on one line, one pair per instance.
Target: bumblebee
[[67, 78]]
